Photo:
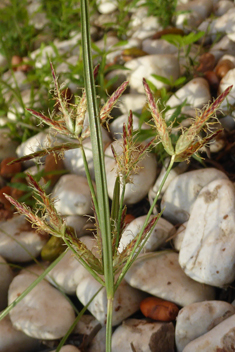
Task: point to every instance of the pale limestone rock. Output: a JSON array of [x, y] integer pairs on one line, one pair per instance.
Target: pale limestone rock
[[68, 348], [105, 6], [179, 236], [158, 46], [197, 319], [73, 159], [141, 181], [165, 65], [222, 7], [44, 313], [7, 146], [225, 82], [161, 232], [98, 342], [182, 192], [6, 276], [72, 195], [177, 170], [196, 93], [18, 241], [207, 252], [68, 273], [221, 338], [193, 13], [144, 336], [88, 328], [77, 222], [126, 300], [12, 340], [133, 102], [116, 127], [225, 46], [160, 274]]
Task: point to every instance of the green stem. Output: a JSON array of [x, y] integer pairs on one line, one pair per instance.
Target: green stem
[[89, 180], [84, 263], [62, 342], [120, 215], [109, 324], [28, 289], [130, 260], [98, 153]]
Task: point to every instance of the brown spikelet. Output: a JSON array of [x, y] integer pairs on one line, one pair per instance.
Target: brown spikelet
[[46, 202], [108, 106], [158, 120], [40, 153], [36, 221]]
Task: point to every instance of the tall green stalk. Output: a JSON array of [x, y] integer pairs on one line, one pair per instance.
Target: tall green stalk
[[99, 167]]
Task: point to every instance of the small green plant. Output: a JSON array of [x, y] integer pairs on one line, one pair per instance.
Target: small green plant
[[163, 10], [111, 266]]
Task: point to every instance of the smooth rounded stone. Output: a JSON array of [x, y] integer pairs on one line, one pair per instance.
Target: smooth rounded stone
[[120, 77], [179, 236], [69, 348], [133, 102], [197, 319], [44, 313], [12, 340], [225, 82], [192, 13], [72, 195], [116, 127], [132, 43], [6, 276], [87, 328], [207, 252], [98, 342], [158, 46], [161, 232], [225, 46], [228, 122], [220, 339], [18, 241], [225, 23], [222, 7], [73, 159], [183, 191], [141, 25], [160, 274], [105, 6], [126, 300], [177, 170], [29, 102], [17, 80], [40, 141], [140, 181], [68, 273], [165, 65], [77, 222], [144, 336], [196, 92], [7, 146]]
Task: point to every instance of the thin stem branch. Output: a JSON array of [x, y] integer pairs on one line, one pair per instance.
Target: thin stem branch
[[28, 289], [131, 258]]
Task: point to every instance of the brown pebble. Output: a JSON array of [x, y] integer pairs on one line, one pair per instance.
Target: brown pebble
[[53, 163], [158, 309], [159, 34], [15, 192], [223, 67], [212, 79], [206, 62], [4, 203], [7, 171], [128, 218]]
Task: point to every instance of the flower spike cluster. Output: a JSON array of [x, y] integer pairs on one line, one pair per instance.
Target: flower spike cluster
[[189, 142]]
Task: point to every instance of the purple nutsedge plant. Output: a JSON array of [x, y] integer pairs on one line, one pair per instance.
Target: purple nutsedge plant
[[110, 266]]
